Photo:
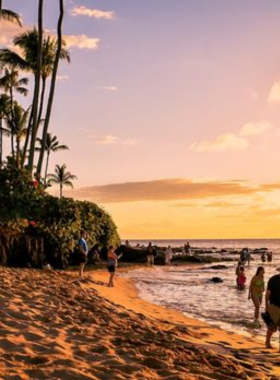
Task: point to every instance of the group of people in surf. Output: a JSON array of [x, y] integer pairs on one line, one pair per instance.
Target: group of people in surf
[[271, 316]]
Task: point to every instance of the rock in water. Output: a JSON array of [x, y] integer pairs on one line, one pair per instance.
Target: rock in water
[[216, 280]]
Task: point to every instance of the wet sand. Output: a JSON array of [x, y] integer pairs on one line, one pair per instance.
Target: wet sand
[[54, 326]]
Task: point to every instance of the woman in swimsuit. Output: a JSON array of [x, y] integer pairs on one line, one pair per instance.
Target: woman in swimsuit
[[256, 290], [241, 278], [112, 263]]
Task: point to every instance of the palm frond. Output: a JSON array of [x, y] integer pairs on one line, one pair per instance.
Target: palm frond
[[12, 59], [10, 16], [22, 90]]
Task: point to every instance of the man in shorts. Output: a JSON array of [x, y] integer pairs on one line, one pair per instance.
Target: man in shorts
[[272, 305], [83, 250]]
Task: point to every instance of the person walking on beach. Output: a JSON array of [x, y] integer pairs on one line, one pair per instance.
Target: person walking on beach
[[256, 290], [112, 263], [272, 305], [83, 249], [168, 255], [243, 256], [241, 278], [150, 254]]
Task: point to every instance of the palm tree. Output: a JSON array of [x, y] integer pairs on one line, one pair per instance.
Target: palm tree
[[52, 86], [27, 61], [52, 145], [35, 103], [10, 83], [17, 125], [61, 177], [9, 15]]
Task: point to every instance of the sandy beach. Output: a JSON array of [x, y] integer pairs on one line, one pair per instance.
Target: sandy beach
[[54, 326]]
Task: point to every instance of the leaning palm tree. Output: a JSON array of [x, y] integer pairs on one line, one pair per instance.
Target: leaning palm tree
[[52, 85], [37, 83], [9, 15], [61, 177], [52, 145]]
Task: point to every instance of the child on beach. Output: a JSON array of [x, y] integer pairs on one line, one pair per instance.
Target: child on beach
[[241, 278], [256, 290]]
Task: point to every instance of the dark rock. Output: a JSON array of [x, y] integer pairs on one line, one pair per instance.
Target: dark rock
[[216, 280], [217, 267]]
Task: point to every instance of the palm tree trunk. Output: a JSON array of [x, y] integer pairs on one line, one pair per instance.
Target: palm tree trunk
[[17, 151], [12, 145], [60, 192], [13, 121], [36, 88], [41, 101], [52, 88], [28, 132], [46, 170]]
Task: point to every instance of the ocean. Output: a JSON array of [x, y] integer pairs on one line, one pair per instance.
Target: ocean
[[190, 290], [272, 244]]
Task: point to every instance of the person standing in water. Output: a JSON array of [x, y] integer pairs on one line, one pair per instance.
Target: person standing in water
[[168, 255], [237, 271], [241, 278], [256, 290]]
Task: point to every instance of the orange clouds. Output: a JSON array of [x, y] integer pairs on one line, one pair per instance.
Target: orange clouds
[[162, 190], [187, 208]]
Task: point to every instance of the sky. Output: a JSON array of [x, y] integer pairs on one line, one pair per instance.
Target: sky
[[171, 111]]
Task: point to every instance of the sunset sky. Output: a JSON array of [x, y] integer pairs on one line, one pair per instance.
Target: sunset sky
[[171, 111]]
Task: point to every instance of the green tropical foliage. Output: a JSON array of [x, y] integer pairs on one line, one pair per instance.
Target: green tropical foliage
[[27, 61], [34, 226]]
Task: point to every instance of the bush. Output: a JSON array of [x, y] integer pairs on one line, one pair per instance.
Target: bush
[[36, 227]]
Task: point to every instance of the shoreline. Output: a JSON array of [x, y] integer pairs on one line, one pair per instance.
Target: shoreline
[[55, 326], [128, 297]]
